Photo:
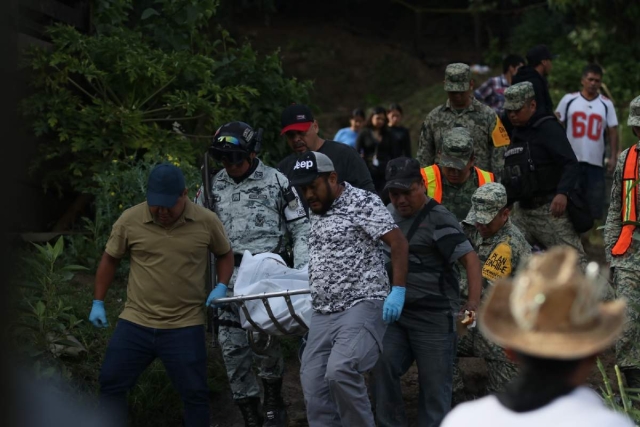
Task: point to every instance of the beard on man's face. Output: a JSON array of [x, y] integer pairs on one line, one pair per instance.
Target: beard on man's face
[[320, 206]]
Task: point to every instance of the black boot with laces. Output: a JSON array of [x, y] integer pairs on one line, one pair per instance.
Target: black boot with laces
[[250, 408], [275, 413]]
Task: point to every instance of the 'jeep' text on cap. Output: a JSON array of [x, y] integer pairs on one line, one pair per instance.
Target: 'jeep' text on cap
[[308, 166]]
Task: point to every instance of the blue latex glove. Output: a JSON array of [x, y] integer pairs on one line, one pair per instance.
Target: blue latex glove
[[393, 304], [220, 291], [98, 316]]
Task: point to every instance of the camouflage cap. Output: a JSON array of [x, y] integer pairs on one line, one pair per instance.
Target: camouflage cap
[[457, 148], [515, 96], [486, 202], [634, 112], [457, 77]]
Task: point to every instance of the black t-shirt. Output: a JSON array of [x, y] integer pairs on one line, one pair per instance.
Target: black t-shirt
[[346, 161], [402, 146]]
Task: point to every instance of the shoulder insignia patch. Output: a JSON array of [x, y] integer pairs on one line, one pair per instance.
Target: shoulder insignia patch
[[499, 135], [498, 264]]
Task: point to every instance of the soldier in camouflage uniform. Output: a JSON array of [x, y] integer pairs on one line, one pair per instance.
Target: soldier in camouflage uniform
[[540, 171], [501, 248], [454, 178], [623, 251], [258, 208], [462, 109]]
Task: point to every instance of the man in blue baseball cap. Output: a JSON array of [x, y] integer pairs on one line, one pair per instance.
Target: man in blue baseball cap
[[168, 238]]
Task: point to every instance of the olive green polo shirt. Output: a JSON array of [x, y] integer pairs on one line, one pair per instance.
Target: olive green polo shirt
[[166, 286]]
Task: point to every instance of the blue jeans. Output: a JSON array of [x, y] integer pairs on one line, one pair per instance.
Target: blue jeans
[[182, 351], [433, 348]]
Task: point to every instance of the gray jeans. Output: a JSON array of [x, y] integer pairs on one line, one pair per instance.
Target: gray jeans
[[340, 348]]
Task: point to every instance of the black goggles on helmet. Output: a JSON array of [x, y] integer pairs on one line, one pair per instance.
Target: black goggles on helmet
[[233, 157]]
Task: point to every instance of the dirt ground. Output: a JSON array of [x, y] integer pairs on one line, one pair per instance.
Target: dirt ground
[[226, 414]]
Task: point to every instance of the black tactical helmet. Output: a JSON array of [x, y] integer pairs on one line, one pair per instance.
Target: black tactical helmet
[[236, 136]]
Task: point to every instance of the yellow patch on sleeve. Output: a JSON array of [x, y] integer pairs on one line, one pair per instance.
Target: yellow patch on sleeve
[[498, 264], [499, 135]]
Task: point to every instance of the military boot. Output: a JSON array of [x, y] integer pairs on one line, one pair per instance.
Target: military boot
[[250, 408], [275, 413]]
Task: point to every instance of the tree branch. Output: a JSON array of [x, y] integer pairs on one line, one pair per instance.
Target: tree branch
[[156, 92], [171, 119]]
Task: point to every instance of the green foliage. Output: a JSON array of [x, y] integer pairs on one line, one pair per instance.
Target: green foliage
[[540, 26], [45, 323], [623, 400], [150, 75]]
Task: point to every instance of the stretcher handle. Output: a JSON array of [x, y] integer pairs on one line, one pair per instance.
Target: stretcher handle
[[242, 298]]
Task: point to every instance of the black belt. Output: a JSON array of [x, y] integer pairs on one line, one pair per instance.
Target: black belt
[[536, 202]]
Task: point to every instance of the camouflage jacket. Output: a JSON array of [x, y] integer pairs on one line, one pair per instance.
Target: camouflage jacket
[[489, 136], [457, 197], [612, 228], [255, 214], [502, 253]]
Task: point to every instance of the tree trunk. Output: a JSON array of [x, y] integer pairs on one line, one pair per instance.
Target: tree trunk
[[77, 207]]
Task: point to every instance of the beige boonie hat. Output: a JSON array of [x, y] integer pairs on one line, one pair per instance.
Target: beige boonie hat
[[551, 309], [457, 77], [634, 112], [515, 96]]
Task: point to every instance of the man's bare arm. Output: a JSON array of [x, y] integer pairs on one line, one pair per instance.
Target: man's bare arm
[[399, 255], [471, 263], [104, 275]]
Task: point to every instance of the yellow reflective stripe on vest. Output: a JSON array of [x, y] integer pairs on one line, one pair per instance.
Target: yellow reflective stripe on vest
[[484, 177], [433, 182]]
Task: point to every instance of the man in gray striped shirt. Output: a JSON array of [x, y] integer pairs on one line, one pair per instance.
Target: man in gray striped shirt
[[426, 330]]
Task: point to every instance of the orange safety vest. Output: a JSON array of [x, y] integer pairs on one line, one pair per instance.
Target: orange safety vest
[[433, 180], [629, 202]]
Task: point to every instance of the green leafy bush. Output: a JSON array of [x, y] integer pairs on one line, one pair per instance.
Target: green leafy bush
[[153, 73], [45, 324]]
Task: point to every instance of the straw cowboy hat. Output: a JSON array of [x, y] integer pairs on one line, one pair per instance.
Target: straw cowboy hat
[[551, 309]]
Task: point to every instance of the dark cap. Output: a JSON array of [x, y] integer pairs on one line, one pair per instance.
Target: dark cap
[[165, 185], [537, 54], [401, 172], [308, 166], [296, 117]]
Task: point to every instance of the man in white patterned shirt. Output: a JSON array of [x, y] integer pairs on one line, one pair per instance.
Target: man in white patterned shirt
[[349, 290]]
